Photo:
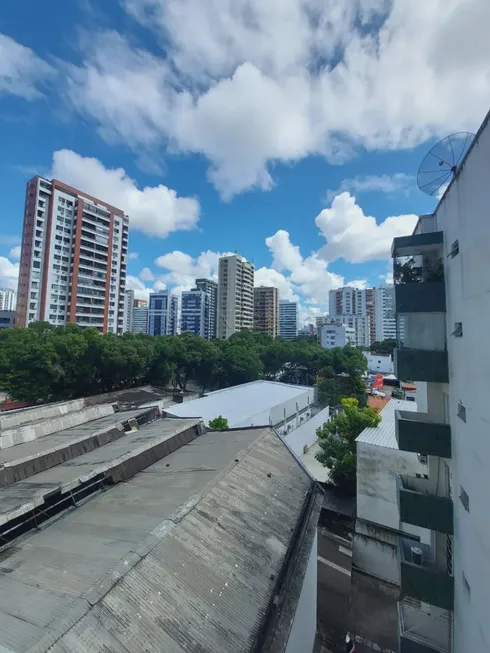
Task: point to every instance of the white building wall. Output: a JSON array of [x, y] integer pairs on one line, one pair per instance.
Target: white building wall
[[385, 312], [337, 335], [463, 215], [378, 363], [303, 631], [8, 299], [376, 483], [305, 434]]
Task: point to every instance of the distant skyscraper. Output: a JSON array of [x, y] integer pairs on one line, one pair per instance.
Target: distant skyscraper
[[235, 295], [210, 287], [140, 316], [8, 299], [73, 258], [354, 301], [336, 334], [385, 312], [361, 325], [288, 319], [266, 310], [194, 315], [128, 310], [162, 314]]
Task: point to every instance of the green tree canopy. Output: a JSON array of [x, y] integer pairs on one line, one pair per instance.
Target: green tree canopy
[[338, 441]]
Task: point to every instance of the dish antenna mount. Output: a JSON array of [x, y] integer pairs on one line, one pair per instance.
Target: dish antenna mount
[[441, 163]]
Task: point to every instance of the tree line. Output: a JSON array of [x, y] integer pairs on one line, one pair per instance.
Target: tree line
[[46, 363]]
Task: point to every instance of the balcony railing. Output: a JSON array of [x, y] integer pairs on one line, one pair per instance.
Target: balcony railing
[[424, 628], [419, 505], [417, 432], [422, 577]]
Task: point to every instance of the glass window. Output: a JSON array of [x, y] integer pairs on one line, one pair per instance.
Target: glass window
[[36, 265]]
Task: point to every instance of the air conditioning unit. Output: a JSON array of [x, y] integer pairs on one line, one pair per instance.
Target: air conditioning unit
[[417, 556], [423, 459]]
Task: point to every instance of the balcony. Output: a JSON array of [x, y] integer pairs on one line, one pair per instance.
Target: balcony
[[417, 432], [424, 628], [422, 577], [421, 365], [416, 244], [419, 505]]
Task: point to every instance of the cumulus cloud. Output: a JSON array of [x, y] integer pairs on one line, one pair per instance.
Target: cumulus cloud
[[9, 273], [355, 236], [15, 252], [22, 72], [283, 79], [146, 275], [182, 270], [388, 184], [154, 210], [133, 256], [269, 277]]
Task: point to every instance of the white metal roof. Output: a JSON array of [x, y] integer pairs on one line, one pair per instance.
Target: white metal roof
[[248, 403], [383, 435]]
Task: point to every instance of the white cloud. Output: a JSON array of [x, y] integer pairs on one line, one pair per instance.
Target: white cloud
[[356, 237], [21, 70], [309, 276], [9, 273], [283, 79], [269, 277], [140, 290], [373, 183], [156, 211], [358, 283], [146, 275], [15, 252], [133, 256], [182, 270]]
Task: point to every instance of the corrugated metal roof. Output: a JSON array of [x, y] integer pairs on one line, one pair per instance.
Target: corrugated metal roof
[[239, 404], [181, 558], [383, 435]]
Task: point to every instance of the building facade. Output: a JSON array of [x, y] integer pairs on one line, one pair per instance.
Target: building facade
[[288, 319], [360, 323], [128, 310], [73, 258], [235, 295], [140, 316], [385, 312], [8, 299], [266, 310], [163, 314], [354, 301], [210, 287], [7, 319], [336, 334], [194, 315], [442, 292]]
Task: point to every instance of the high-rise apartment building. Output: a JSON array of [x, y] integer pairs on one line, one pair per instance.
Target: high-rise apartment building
[[442, 291], [73, 258], [235, 295], [140, 316], [194, 313], [266, 310], [385, 316], [288, 319], [163, 314], [210, 287], [8, 299], [128, 310], [354, 301]]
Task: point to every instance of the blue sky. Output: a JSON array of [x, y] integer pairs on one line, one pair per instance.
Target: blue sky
[[288, 130]]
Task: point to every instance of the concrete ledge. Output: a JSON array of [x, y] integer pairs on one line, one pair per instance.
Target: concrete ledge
[[34, 430]]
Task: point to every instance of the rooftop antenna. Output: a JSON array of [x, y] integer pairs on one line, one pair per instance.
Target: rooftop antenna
[[442, 162]]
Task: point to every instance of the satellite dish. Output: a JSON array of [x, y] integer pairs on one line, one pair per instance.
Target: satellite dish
[[442, 162]]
